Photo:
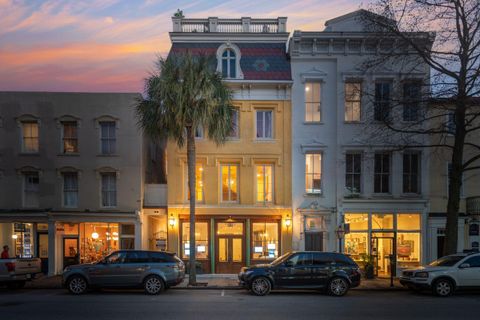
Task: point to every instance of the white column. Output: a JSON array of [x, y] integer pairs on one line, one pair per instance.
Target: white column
[[138, 231], [52, 245]]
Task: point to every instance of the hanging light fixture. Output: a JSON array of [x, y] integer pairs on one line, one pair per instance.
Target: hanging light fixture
[[95, 234]]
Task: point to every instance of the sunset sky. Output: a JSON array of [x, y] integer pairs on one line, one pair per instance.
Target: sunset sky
[[110, 45]]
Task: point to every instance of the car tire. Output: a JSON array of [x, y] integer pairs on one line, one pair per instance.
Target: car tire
[[337, 287], [77, 285], [260, 286], [443, 287], [153, 285]]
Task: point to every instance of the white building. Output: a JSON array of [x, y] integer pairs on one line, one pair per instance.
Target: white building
[[339, 175]]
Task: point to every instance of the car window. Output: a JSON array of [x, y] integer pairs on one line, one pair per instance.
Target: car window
[[116, 258], [137, 257], [301, 259], [474, 262], [343, 260], [322, 258], [447, 261], [160, 257]]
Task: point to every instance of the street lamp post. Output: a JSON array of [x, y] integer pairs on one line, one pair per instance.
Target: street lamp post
[[340, 232]]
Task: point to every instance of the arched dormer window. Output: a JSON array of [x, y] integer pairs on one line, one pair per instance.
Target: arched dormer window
[[228, 61]]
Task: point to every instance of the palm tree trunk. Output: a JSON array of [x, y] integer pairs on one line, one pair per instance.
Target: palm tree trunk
[[192, 275]]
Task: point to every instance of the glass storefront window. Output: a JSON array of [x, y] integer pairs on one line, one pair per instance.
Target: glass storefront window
[[23, 240], [97, 240], [356, 245], [382, 221], [201, 240], [357, 221], [408, 221], [265, 244], [408, 249]]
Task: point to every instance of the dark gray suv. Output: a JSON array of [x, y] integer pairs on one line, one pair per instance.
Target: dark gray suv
[[152, 270]]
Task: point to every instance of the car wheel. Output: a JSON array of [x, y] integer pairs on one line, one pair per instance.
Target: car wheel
[[338, 287], [260, 286], [443, 288], [77, 285], [153, 285]]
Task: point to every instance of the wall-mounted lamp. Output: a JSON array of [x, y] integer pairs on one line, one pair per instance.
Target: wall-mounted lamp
[[288, 221], [171, 221], [14, 236]]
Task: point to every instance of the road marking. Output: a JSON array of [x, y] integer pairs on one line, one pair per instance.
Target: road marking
[[223, 293]]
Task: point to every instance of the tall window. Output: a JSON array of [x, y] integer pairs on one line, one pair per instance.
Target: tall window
[[265, 240], [264, 183], [70, 189], [353, 172], [353, 97], [229, 64], [108, 137], [31, 190], [313, 173], [312, 101], [235, 125], [382, 173], [451, 125], [70, 139], [411, 103], [229, 182], [264, 124], [199, 196], [449, 173], [411, 173], [201, 240], [382, 101], [109, 189], [30, 136], [199, 132]]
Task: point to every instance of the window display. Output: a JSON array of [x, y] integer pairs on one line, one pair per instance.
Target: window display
[[356, 245], [201, 240], [97, 240], [265, 240]]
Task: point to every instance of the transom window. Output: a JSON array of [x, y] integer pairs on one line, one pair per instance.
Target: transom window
[[264, 183], [70, 139], [229, 64], [229, 182], [312, 101], [30, 136], [382, 173], [264, 124], [313, 173], [353, 97]]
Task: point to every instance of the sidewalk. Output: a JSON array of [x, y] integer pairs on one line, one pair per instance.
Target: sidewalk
[[217, 281]]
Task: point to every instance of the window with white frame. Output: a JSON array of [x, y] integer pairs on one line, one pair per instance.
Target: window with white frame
[[229, 182], [449, 173], [411, 100], [69, 136], [313, 173], [109, 189], [353, 172], [70, 189], [199, 132], [108, 137], [411, 172], [451, 125], [31, 183], [235, 124], [30, 141], [312, 102], [264, 124], [229, 64], [353, 96], [264, 182], [382, 172], [382, 101]]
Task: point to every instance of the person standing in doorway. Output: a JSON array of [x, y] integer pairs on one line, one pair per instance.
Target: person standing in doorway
[[5, 254]]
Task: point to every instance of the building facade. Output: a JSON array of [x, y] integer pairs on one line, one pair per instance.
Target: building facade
[[71, 176], [243, 211], [342, 177]]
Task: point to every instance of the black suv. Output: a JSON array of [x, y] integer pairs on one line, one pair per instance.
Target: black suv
[[332, 271]]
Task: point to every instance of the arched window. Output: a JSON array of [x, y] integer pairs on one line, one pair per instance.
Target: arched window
[[229, 64]]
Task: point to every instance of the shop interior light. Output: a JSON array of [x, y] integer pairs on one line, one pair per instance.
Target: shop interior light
[[95, 235], [14, 236]]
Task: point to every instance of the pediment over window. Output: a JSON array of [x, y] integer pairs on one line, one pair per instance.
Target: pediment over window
[[68, 169], [107, 169], [228, 61], [313, 74], [27, 169], [107, 118], [69, 118], [27, 118]]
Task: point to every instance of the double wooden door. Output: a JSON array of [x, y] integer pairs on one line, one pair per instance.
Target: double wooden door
[[230, 247]]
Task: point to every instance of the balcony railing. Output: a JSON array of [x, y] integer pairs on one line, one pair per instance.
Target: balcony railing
[[243, 25], [473, 205]]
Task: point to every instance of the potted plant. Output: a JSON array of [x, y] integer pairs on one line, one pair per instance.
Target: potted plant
[[367, 261]]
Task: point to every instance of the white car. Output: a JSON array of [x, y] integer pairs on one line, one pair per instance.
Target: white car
[[445, 275]]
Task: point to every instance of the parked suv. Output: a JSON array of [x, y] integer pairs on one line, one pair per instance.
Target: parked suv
[[334, 272], [152, 270], [445, 275]]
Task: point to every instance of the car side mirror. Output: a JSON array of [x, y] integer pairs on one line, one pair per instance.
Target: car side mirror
[[464, 266], [288, 264]]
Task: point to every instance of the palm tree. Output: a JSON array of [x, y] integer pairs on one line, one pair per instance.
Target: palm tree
[[183, 94]]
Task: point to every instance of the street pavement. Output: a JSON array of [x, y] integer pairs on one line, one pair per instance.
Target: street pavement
[[233, 304]]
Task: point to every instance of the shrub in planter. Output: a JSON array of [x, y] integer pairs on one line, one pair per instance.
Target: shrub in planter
[[368, 268]]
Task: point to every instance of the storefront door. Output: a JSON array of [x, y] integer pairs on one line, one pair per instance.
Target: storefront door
[[230, 255], [70, 251], [42, 250], [383, 248]]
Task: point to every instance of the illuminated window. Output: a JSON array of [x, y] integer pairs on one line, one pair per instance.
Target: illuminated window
[[235, 125], [357, 221], [408, 221], [265, 243], [312, 101], [353, 96], [229, 182], [201, 240], [356, 245], [30, 137], [69, 137], [264, 183], [313, 173], [408, 249], [382, 221], [199, 189]]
